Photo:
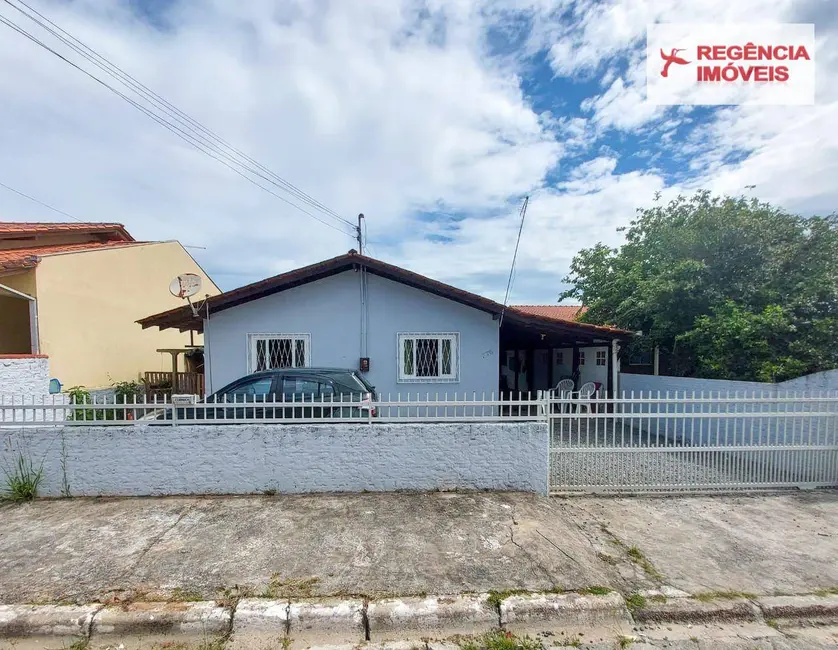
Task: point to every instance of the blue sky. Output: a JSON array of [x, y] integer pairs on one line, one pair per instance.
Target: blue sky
[[433, 117]]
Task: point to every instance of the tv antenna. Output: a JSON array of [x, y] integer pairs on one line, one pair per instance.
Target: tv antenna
[[185, 286], [523, 215]]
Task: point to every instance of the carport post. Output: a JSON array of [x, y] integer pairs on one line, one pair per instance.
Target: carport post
[[615, 368]]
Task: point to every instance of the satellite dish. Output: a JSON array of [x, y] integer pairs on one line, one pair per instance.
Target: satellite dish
[[185, 285]]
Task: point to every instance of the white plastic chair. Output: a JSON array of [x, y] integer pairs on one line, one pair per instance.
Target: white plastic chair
[[563, 390], [585, 393]]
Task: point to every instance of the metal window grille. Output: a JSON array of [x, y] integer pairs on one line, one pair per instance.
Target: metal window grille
[[267, 351], [428, 357]]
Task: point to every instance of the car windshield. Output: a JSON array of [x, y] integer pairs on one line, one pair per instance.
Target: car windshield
[[353, 382]]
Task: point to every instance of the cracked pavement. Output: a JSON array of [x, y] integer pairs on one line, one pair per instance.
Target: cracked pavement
[[85, 550]]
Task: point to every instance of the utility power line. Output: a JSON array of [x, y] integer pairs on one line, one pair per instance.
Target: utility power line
[[172, 118], [46, 205]]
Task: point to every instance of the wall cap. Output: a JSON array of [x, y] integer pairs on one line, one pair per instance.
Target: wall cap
[[24, 356]]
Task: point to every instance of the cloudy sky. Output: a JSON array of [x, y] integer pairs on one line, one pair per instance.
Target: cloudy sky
[[432, 117]]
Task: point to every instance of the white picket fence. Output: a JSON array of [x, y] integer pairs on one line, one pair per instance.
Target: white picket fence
[[666, 442], [185, 409], [634, 443]]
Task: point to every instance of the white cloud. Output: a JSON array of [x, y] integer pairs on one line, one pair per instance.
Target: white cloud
[[390, 108]]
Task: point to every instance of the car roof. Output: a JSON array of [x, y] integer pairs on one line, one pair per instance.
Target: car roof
[[302, 371]]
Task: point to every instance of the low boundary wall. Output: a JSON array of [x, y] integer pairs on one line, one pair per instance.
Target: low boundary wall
[[142, 460]]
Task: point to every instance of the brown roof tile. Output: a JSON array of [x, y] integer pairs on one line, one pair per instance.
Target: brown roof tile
[[24, 258], [559, 312], [23, 228]]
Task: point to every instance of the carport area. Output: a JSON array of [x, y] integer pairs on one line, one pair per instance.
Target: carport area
[[536, 352]]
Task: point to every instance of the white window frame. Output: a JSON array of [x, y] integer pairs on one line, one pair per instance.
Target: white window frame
[[602, 355], [581, 357], [452, 378], [265, 336]]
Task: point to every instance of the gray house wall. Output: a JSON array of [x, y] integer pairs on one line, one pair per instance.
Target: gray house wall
[[330, 311]]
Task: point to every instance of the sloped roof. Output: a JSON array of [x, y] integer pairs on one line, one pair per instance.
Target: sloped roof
[[558, 312], [32, 228], [26, 258], [182, 317]]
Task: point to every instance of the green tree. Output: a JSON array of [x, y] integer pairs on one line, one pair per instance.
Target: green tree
[[729, 287]]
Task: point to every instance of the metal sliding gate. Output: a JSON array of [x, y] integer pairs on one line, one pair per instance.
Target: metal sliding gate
[[693, 443]]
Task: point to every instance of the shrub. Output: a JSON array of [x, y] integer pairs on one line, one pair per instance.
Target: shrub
[[23, 480]]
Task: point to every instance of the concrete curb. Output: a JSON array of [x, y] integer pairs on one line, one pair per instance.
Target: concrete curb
[[347, 621], [46, 620], [441, 615], [162, 619], [689, 610], [307, 622], [570, 611]]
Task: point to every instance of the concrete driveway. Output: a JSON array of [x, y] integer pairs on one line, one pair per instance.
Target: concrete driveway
[[386, 544]]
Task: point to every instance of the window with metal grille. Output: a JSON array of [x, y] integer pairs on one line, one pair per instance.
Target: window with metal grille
[[429, 357], [601, 357], [268, 351]]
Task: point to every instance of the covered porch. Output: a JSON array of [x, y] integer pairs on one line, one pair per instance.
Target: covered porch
[[537, 352]]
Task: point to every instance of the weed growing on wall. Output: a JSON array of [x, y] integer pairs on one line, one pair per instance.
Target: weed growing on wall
[[22, 480]]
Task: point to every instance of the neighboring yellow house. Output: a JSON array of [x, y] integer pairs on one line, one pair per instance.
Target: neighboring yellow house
[[73, 291]]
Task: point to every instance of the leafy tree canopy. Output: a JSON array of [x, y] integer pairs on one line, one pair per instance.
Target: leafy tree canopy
[[730, 288]]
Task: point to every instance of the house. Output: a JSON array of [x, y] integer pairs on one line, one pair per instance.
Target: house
[[72, 291], [406, 332]]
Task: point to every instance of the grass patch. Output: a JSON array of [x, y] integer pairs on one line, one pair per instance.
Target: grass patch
[[658, 598], [595, 590], [497, 597], [22, 480], [625, 641], [636, 556], [770, 622], [709, 596], [829, 591], [608, 559], [300, 588], [79, 644], [635, 602], [182, 596], [501, 640]]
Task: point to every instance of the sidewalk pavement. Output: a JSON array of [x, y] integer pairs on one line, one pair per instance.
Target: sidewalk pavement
[[379, 545]]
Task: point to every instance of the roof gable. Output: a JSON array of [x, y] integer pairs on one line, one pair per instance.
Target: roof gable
[[182, 317]]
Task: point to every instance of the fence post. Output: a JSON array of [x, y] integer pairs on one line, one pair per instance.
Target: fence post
[[544, 404], [174, 412]]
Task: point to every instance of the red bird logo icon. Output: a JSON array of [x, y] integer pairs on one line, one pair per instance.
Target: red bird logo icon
[[670, 59]]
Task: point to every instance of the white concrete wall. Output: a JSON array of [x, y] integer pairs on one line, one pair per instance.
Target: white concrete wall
[[243, 459], [24, 375], [653, 383], [826, 382]]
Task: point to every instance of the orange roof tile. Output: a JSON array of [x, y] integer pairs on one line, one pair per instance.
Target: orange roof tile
[[19, 228], [25, 258], [556, 312]]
